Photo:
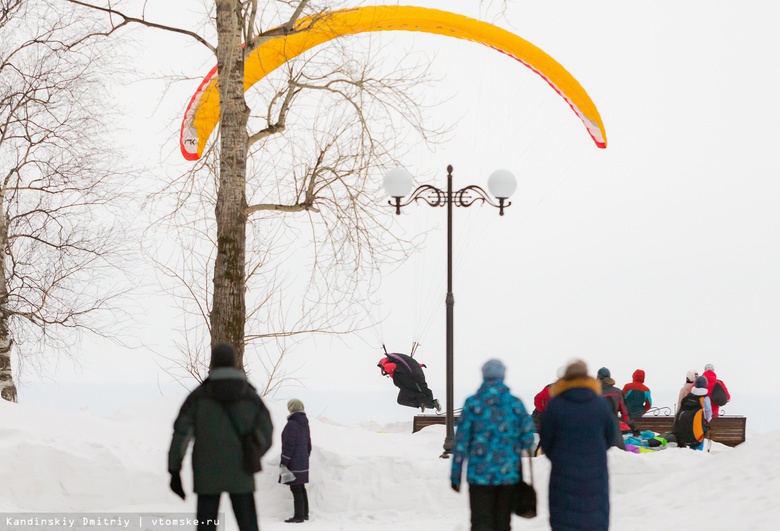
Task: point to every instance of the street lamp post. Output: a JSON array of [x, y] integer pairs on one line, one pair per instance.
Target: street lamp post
[[398, 184]]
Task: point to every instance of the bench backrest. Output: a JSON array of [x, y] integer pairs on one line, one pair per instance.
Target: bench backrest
[[728, 430]]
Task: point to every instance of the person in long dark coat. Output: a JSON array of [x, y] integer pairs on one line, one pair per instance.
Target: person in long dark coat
[[296, 449], [576, 430], [409, 378], [217, 453]]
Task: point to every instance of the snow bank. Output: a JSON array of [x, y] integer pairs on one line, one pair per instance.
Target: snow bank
[[363, 476]]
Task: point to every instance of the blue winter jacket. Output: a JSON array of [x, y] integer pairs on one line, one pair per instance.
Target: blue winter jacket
[[575, 431], [493, 428]]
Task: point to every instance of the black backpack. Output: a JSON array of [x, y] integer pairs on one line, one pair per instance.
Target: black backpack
[[718, 395], [688, 428]]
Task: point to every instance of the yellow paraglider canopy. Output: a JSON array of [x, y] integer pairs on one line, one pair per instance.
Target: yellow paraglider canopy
[[202, 114]]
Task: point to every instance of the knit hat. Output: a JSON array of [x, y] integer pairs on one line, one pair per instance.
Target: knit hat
[[575, 369], [709, 367], [493, 370], [223, 355], [691, 376], [294, 405], [603, 373], [701, 382]]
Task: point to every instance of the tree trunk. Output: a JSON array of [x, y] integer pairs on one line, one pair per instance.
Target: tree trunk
[[228, 311], [7, 387]]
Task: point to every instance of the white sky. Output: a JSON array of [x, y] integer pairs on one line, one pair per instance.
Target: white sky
[[659, 252]]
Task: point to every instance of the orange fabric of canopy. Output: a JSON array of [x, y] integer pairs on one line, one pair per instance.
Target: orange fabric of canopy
[[202, 114]]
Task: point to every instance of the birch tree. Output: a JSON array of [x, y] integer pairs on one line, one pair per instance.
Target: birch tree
[[298, 162], [56, 229]]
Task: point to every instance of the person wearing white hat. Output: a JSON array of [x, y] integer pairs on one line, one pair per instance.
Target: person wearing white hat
[[690, 377]]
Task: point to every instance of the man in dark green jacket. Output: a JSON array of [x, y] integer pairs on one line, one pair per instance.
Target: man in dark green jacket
[[213, 415]]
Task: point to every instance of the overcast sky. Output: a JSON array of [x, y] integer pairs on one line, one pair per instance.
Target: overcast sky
[[659, 252]]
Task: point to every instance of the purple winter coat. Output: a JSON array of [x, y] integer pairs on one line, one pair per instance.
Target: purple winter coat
[[296, 447]]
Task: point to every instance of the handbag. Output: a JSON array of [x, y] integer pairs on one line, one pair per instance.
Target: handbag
[[524, 504], [253, 447], [285, 476]]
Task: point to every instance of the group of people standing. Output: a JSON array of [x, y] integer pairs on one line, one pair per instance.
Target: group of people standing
[[579, 417], [716, 389], [219, 415], [635, 399], [626, 405], [576, 429], [699, 401]]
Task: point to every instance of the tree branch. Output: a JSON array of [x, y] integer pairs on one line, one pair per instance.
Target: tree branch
[[288, 26], [126, 19], [300, 207], [281, 121]]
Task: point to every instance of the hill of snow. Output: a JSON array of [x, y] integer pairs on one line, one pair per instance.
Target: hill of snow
[[367, 476]]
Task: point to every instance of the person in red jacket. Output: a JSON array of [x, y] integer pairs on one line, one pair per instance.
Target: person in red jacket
[[637, 395], [540, 404], [709, 373]]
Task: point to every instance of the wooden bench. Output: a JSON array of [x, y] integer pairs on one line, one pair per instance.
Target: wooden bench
[[423, 421], [728, 430]]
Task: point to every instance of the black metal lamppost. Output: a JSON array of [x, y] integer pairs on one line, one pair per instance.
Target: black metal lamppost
[[398, 184]]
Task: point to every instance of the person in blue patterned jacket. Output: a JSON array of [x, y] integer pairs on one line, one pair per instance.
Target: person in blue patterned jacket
[[494, 427]]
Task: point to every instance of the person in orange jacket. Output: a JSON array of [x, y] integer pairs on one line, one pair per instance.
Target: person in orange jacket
[[637, 395]]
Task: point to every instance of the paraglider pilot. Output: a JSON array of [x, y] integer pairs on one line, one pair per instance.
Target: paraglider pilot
[[409, 378]]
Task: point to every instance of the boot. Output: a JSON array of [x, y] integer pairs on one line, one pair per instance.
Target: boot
[[299, 492]]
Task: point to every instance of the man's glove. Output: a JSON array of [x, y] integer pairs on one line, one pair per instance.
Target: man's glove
[[176, 485], [636, 433], [455, 486]]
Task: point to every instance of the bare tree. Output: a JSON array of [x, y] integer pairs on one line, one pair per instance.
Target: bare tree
[[315, 223], [57, 232], [296, 163]]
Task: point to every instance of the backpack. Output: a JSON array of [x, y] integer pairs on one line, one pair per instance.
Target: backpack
[[718, 395], [688, 425], [256, 443]]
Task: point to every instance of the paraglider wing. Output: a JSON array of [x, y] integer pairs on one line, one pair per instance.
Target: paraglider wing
[[202, 113]]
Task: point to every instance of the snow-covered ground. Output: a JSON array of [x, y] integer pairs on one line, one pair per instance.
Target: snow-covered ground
[[367, 476]]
